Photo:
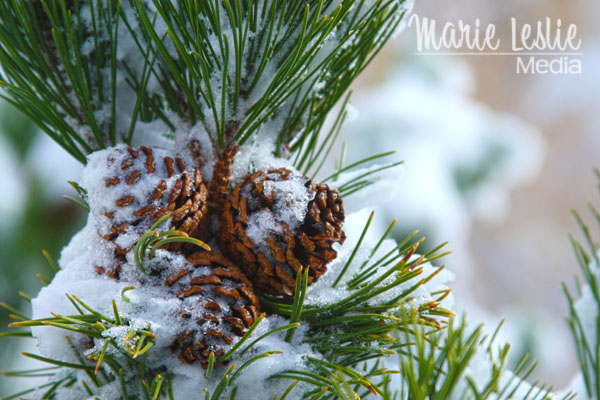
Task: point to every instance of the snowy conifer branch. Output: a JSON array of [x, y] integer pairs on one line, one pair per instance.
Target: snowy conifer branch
[[125, 366], [461, 362], [358, 327], [583, 312], [247, 62], [106, 65], [349, 333]]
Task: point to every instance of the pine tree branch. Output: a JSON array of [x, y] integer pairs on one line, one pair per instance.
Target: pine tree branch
[[241, 67]]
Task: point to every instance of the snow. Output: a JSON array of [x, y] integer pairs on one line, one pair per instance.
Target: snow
[[258, 155], [291, 198], [260, 226], [587, 309], [480, 370], [577, 385]]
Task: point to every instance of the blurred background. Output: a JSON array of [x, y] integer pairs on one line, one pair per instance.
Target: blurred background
[[494, 163], [33, 217]]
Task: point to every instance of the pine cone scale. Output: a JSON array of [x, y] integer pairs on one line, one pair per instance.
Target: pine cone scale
[[222, 302]]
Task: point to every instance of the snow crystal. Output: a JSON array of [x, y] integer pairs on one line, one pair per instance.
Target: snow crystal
[[352, 113], [260, 226], [291, 198], [257, 155]]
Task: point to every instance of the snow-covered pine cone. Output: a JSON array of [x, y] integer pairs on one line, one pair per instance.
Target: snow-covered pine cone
[[276, 222], [218, 303], [138, 186]]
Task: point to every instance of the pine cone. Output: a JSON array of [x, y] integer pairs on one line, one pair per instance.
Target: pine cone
[[218, 303], [275, 222], [138, 187]]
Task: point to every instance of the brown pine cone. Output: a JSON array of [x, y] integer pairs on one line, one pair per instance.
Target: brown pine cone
[[218, 302], [275, 222], [139, 186]]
